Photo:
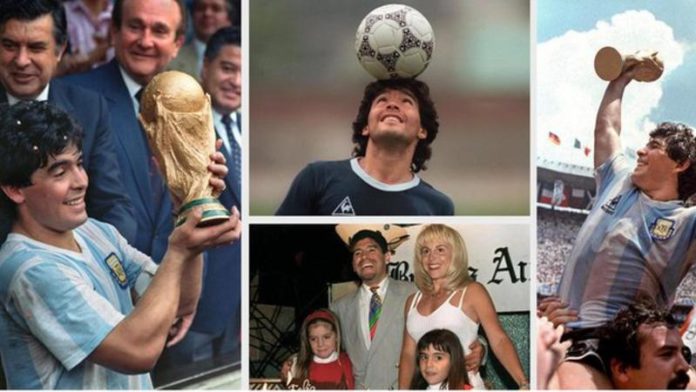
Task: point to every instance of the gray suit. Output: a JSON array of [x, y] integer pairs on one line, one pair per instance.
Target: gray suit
[[376, 368]]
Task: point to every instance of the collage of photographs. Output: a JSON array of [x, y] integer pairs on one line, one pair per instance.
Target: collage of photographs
[[347, 194]]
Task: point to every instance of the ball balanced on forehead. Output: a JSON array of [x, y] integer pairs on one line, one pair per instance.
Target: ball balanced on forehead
[[394, 41]]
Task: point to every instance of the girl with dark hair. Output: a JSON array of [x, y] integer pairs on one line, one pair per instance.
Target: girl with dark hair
[[440, 362]]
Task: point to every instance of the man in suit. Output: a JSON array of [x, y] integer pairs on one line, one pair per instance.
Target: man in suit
[[147, 34], [373, 348], [33, 34], [216, 327], [208, 17]]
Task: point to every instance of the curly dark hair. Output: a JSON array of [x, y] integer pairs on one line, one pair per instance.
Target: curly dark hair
[[681, 147], [620, 339], [426, 108], [29, 10], [31, 132]]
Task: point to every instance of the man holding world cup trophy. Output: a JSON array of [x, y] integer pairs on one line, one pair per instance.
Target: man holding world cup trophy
[[147, 34], [69, 318], [638, 239]]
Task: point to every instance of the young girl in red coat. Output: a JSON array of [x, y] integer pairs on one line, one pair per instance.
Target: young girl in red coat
[[320, 363]]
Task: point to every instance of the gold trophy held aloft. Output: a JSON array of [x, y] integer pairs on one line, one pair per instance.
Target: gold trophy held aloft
[[609, 63], [176, 116]]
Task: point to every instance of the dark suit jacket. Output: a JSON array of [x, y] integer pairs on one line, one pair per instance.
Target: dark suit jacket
[[221, 296], [106, 197], [154, 218]]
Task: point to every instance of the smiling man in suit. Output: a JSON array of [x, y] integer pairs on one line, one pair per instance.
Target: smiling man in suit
[[375, 356], [147, 34], [32, 41]]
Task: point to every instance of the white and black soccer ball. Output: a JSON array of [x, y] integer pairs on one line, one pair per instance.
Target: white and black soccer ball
[[394, 41]]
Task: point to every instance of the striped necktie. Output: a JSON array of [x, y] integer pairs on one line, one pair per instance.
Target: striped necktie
[[375, 311]]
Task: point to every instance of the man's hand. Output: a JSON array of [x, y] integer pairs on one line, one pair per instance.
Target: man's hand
[[474, 358], [179, 329], [219, 170], [550, 351], [190, 240], [556, 311]]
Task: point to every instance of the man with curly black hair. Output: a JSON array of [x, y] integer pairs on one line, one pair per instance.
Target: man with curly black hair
[[73, 311], [637, 241], [395, 125]]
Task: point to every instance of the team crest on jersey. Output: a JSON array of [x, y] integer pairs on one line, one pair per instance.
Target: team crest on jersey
[[117, 270], [610, 207], [345, 208], [662, 229]]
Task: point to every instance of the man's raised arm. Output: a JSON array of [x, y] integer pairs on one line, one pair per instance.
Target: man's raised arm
[[608, 124]]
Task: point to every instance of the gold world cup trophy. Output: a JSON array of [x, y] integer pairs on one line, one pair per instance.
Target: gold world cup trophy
[[176, 116], [609, 63]]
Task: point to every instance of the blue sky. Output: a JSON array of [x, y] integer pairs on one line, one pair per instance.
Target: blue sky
[[568, 92]]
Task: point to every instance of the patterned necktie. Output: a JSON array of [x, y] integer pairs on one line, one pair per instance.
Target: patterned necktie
[[235, 153], [375, 311]]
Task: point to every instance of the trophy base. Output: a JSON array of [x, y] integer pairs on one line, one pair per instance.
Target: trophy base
[[608, 63], [214, 212]]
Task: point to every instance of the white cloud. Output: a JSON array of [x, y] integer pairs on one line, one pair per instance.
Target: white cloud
[[569, 91]]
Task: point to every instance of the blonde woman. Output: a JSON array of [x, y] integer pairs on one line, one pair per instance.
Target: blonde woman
[[449, 299]]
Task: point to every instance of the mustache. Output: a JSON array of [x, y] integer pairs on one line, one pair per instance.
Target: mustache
[[678, 382]]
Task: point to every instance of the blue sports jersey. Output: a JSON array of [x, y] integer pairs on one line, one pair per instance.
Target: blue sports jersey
[[629, 246], [344, 188], [58, 306]]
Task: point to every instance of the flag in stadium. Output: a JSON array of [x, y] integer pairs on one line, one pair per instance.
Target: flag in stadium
[[577, 145], [555, 139], [587, 151]]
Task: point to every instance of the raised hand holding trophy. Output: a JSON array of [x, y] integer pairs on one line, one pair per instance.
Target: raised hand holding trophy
[[176, 116]]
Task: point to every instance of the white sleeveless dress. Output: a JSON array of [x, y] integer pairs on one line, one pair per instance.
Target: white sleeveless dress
[[449, 317]]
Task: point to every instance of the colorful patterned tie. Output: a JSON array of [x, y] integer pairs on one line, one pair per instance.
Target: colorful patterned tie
[[375, 311]]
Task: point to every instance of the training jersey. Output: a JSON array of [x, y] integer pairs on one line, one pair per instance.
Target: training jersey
[[58, 305], [344, 188], [629, 246]]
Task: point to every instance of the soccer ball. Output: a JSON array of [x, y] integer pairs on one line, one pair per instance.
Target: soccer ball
[[394, 41]]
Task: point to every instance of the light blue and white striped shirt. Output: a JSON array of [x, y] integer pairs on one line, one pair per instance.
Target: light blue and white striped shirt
[[629, 246], [57, 306]]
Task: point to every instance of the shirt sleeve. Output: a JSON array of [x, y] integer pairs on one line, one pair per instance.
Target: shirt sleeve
[[60, 307], [614, 169], [300, 197]]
